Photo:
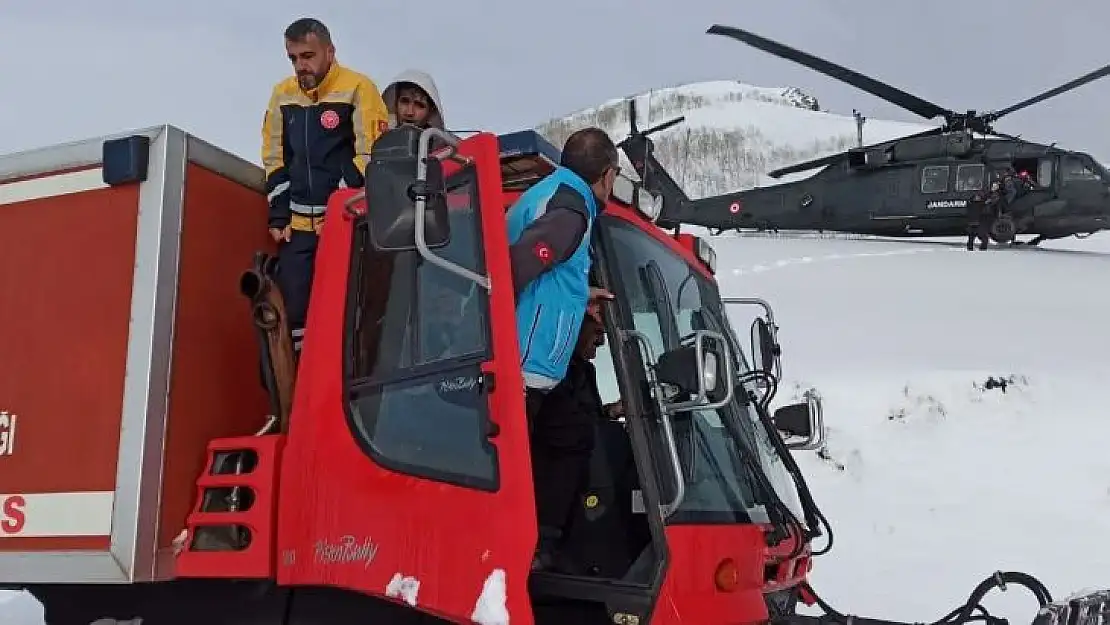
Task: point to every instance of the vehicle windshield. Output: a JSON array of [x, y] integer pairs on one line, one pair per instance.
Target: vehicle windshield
[[669, 300]]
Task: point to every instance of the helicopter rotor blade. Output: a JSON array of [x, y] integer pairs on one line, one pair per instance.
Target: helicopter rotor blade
[[908, 101], [1051, 93], [834, 158], [807, 165], [664, 125]]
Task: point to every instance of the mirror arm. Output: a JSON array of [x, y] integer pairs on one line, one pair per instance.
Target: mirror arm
[[818, 411], [772, 325], [667, 509], [816, 438], [753, 301], [421, 203]]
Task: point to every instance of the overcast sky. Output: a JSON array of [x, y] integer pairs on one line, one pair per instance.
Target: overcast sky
[[73, 69]]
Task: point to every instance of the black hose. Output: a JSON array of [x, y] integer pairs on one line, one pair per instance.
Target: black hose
[[971, 611], [815, 518]]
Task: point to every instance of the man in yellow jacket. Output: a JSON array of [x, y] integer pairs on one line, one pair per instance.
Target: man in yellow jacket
[[316, 138]]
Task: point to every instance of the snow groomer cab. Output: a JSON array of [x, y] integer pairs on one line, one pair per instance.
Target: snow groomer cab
[[693, 511]]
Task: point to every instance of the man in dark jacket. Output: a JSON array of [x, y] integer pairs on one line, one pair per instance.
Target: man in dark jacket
[[316, 137], [982, 210], [563, 439]]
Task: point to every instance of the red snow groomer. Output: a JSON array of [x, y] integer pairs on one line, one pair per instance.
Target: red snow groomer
[[392, 483]]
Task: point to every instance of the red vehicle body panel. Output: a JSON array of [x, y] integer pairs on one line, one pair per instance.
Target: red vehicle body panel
[[125, 350], [67, 334], [449, 538], [214, 353], [690, 593]]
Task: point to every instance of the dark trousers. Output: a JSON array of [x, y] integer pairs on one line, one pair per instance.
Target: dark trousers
[[561, 448], [980, 230], [559, 477], [296, 262], [533, 402]]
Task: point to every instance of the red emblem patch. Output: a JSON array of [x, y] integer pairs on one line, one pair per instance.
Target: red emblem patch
[[329, 120], [542, 252], [383, 126], [734, 208]]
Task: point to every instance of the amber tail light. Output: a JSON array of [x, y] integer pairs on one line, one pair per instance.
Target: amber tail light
[[727, 575]]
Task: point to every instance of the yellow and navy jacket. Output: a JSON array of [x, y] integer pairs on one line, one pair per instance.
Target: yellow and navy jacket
[[317, 141]]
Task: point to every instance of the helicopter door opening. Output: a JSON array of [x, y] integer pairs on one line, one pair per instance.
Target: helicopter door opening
[[1039, 170]]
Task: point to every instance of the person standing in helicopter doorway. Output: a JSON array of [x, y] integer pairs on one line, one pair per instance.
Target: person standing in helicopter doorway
[[982, 210]]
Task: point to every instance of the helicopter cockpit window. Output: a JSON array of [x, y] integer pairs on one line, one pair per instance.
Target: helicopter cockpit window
[[1073, 169], [970, 177], [934, 179]]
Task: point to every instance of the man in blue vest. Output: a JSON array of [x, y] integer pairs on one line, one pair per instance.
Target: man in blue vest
[[549, 231], [549, 237]]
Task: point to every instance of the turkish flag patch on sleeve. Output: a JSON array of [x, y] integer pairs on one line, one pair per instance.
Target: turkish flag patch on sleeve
[[542, 252]]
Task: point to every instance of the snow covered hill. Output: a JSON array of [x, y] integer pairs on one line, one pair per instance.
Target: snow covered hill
[[734, 133]]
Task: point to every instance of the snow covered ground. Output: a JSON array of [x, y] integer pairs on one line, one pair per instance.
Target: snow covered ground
[[19, 609], [930, 481]]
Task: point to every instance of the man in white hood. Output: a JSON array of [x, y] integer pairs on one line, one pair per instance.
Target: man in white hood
[[412, 98]]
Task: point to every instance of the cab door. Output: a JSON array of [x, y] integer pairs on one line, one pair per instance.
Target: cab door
[[407, 472]]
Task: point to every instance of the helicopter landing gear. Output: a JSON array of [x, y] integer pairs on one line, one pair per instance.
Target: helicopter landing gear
[[1003, 230]]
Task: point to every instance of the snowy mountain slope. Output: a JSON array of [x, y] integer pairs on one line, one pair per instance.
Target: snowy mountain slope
[[734, 133], [930, 480]]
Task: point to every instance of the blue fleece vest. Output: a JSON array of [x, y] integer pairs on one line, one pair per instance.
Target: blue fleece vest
[[549, 310]]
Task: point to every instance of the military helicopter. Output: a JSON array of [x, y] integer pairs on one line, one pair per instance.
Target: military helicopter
[[914, 186]]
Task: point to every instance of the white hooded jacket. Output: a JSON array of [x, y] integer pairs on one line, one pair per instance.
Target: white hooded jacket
[[425, 82]]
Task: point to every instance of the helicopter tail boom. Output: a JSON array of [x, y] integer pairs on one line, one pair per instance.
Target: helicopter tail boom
[[640, 150]]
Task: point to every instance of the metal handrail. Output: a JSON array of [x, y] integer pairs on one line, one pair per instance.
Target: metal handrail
[[668, 429]]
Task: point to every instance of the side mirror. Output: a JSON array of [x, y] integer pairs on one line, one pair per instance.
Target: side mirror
[[765, 346], [766, 352], [392, 189], [794, 420], [701, 373], [804, 420]]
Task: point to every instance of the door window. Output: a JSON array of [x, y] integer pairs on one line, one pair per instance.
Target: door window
[[418, 336], [934, 179], [720, 450], [970, 177], [1073, 169], [1044, 172]]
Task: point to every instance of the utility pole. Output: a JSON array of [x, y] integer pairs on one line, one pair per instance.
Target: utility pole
[[860, 119]]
